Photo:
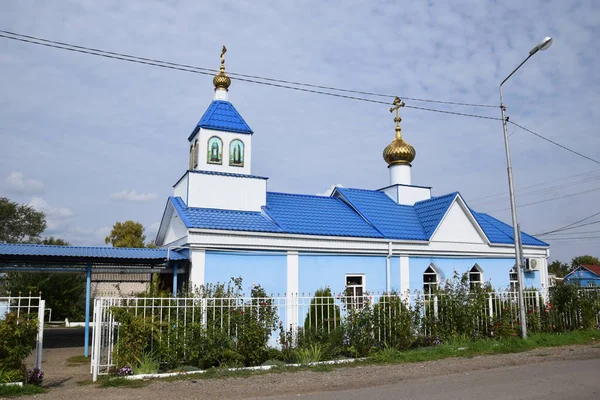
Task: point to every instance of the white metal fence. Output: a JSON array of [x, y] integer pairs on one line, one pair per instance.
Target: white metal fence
[[27, 305], [296, 314]]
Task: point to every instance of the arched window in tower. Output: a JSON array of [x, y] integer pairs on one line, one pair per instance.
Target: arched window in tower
[[513, 278], [475, 276], [236, 153], [191, 162], [214, 151], [430, 279], [195, 156]]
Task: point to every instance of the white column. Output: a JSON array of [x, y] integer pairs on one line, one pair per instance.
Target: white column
[[404, 275], [197, 269], [291, 311], [221, 94], [400, 174]]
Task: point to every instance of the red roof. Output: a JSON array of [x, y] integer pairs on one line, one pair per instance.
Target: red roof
[[593, 268]]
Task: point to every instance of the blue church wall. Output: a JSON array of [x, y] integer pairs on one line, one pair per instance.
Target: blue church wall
[[583, 277], [495, 271], [266, 269], [319, 271]]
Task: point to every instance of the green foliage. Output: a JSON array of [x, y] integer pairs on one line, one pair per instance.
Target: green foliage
[[559, 269], [10, 375], [136, 335], [64, 293], [323, 314], [584, 260], [146, 364], [309, 354], [17, 340], [25, 390], [20, 223], [52, 241], [394, 321], [126, 234], [358, 327], [571, 307]]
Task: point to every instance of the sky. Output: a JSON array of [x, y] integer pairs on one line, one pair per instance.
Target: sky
[[92, 141]]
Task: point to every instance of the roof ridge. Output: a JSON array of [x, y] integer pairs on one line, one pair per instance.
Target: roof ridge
[[303, 195], [438, 197]]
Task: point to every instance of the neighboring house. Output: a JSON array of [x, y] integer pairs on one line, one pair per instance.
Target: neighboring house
[[398, 237], [584, 275]]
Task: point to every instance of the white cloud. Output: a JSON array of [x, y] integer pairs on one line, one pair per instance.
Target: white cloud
[[17, 183], [57, 213], [330, 190], [134, 196]]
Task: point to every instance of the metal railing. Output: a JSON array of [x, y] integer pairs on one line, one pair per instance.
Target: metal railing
[[291, 316]]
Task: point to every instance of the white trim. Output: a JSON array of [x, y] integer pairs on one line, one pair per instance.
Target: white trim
[[292, 288], [363, 284], [404, 275], [479, 271], [197, 268]]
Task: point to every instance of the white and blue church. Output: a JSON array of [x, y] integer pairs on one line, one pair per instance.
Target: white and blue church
[[396, 238]]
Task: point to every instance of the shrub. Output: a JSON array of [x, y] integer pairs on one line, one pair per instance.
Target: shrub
[[358, 329], [17, 340], [323, 314], [393, 323]]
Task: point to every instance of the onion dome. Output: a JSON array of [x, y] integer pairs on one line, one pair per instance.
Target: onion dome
[[398, 152], [221, 80]]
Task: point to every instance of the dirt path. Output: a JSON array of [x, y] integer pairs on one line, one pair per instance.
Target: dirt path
[[62, 379]]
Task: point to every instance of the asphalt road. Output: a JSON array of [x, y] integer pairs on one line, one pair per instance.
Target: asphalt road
[[579, 379]]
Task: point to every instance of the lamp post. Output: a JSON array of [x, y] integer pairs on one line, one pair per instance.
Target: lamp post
[[543, 45]]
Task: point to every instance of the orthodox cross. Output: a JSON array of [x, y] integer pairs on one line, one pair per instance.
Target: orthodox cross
[[223, 55], [397, 104]]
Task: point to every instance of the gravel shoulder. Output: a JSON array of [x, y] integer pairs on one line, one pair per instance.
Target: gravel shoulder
[[299, 382]]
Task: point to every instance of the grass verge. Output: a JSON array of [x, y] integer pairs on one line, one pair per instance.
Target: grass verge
[[122, 382], [25, 390]]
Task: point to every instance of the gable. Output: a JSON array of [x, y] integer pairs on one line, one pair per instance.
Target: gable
[[457, 225], [581, 273], [176, 229]]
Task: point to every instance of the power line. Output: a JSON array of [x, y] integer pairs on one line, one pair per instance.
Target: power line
[[555, 143], [98, 51], [576, 238], [532, 186], [572, 233], [552, 199], [541, 191], [566, 227]]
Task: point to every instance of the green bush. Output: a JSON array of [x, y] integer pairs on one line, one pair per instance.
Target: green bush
[[393, 323], [323, 314], [18, 336]]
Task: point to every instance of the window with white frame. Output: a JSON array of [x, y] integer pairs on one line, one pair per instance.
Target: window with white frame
[[513, 278], [430, 279], [475, 276], [355, 289]]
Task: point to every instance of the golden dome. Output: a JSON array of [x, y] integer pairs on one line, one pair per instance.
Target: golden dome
[[398, 152], [221, 80]]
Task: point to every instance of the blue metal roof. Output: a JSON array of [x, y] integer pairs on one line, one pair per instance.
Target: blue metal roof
[[432, 211], [316, 215], [222, 116], [394, 221], [212, 218], [350, 212], [500, 233], [87, 252]]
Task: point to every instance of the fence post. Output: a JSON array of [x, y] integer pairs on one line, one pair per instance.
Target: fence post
[[491, 306], [40, 335], [97, 331], [435, 306]]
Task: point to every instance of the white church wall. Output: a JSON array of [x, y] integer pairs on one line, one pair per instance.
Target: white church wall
[[409, 195], [456, 226], [197, 267], [181, 188], [227, 192], [205, 134], [176, 229]]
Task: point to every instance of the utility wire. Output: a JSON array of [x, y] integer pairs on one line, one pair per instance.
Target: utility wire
[[577, 238], [476, 199], [244, 78], [566, 227], [552, 199], [555, 143], [539, 191], [91, 49], [572, 233]]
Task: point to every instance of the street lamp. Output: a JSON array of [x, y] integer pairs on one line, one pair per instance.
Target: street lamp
[[543, 45]]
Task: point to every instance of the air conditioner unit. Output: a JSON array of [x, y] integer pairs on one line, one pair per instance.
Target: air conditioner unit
[[533, 264]]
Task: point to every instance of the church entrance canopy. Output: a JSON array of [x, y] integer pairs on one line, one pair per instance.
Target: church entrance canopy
[[43, 258]]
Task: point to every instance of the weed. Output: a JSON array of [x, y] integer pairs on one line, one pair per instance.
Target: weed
[[122, 382], [146, 364], [309, 354], [25, 390]]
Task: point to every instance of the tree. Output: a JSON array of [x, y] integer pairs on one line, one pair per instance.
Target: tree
[[20, 223], [126, 234], [559, 269], [584, 260], [55, 241]]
